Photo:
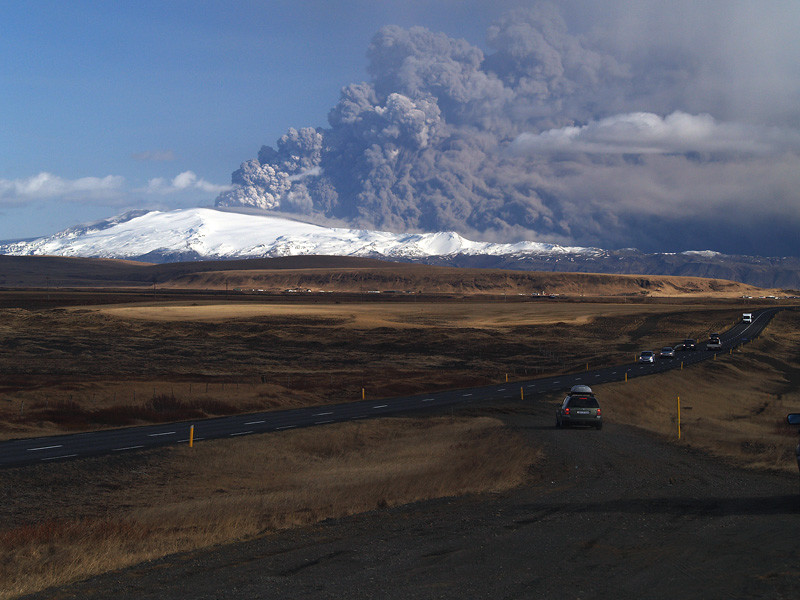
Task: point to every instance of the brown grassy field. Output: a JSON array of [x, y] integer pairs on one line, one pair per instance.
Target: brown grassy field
[[113, 513], [407, 278], [84, 368], [733, 407], [75, 369]]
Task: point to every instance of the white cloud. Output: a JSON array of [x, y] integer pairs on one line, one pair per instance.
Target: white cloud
[[185, 181], [111, 190], [48, 186], [649, 133]]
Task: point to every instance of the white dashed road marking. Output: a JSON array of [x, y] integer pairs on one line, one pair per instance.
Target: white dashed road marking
[[44, 448], [62, 456]]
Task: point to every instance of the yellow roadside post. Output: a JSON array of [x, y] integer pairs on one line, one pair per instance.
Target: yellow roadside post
[[506, 377], [363, 394], [191, 436], [521, 394], [626, 377]]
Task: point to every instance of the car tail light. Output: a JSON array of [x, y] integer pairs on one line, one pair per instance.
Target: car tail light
[[566, 411], [598, 412]]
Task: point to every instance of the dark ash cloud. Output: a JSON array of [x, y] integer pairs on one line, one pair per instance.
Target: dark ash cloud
[[592, 138]]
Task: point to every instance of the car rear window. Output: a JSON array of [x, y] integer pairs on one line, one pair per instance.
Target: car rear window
[[583, 402]]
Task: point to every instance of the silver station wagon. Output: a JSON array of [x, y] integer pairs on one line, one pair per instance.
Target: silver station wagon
[[580, 407]]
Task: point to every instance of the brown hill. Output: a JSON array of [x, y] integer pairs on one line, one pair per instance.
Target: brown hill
[[347, 274], [405, 278], [60, 271]]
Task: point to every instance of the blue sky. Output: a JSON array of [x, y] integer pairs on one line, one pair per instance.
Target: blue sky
[[138, 91], [671, 126]]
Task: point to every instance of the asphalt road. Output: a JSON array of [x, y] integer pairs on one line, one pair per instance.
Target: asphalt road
[[66, 447]]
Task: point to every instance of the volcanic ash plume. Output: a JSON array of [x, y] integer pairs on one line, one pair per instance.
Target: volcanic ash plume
[[547, 137]]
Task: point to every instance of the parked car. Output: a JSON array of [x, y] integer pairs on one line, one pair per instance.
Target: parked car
[[667, 352], [647, 357], [580, 407]]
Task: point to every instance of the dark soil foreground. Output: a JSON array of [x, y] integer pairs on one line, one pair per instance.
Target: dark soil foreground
[[608, 514]]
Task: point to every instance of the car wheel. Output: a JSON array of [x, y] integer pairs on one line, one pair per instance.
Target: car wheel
[[599, 426], [558, 423]]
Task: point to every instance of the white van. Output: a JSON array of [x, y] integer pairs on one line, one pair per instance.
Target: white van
[[747, 317]]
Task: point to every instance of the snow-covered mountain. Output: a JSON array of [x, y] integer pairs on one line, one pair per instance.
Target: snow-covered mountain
[[205, 233]]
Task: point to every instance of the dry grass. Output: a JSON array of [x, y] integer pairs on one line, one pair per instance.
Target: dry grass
[[75, 368], [218, 492], [448, 280], [72, 370], [734, 407], [481, 315]]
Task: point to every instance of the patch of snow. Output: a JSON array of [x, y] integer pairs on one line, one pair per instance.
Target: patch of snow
[[212, 234], [703, 253]]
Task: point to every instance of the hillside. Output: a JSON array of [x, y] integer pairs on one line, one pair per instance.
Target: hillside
[[405, 278], [59, 271], [348, 274]]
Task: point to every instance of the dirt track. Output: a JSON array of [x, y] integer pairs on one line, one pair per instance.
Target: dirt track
[[609, 514]]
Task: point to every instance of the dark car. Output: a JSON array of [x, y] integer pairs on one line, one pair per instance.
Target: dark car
[[689, 344], [580, 407], [667, 352]]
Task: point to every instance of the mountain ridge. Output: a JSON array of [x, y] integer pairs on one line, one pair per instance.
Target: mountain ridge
[[209, 234]]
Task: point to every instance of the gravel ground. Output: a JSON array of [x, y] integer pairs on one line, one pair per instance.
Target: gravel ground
[[608, 514]]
